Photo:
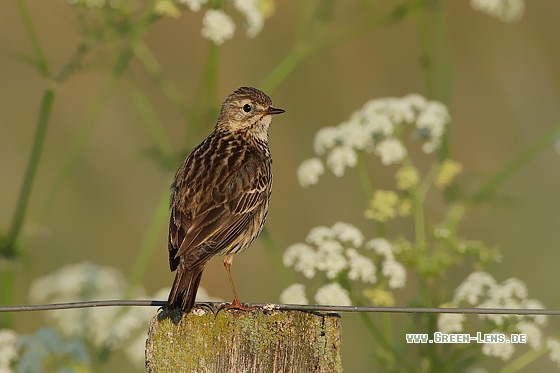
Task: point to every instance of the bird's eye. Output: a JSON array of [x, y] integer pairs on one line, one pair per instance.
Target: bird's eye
[[246, 108]]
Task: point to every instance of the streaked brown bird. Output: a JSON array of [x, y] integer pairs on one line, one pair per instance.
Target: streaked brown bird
[[220, 194]]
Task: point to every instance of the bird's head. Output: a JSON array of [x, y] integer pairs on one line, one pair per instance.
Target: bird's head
[[247, 109]]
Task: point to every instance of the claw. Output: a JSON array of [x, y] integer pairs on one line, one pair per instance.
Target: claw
[[207, 306], [236, 305]]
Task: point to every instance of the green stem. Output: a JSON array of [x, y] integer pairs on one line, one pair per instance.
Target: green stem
[[123, 60], [150, 243], [41, 61], [74, 64], [419, 197], [374, 331], [518, 162], [364, 177], [307, 42], [455, 213], [419, 228], [384, 341], [85, 130], [204, 110], [524, 360], [432, 30], [7, 281], [152, 120], [9, 250], [152, 66], [388, 331], [386, 346], [373, 21], [367, 187], [284, 68]]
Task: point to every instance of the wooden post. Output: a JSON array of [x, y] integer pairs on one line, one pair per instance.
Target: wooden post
[[260, 340]]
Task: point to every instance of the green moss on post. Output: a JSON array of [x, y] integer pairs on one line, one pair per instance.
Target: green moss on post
[[259, 340]]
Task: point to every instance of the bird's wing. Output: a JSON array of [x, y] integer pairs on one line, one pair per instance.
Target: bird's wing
[[227, 211]]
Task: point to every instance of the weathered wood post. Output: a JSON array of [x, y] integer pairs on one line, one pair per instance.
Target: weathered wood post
[[260, 340]]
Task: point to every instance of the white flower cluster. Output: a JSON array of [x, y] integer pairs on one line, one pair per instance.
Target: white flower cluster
[[394, 271], [553, 346], [503, 351], [333, 294], [107, 327], [372, 129], [218, 26], [451, 322], [47, 350], [193, 5], [505, 10], [481, 290], [8, 350], [294, 294], [253, 16], [335, 250]]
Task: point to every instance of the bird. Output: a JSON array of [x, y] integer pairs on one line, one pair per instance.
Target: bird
[[220, 194]]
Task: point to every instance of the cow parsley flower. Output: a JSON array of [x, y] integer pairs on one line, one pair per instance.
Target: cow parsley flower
[[302, 257], [193, 5], [390, 151], [319, 235], [309, 171], [355, 134], [294, 294], [381, 247], [217, 26], [407, 177], [325, 139], [8, 349], [474, 287], [502, 350], [47, 349], [348, 233], [360, 267], [104, 328], [383, 206], [378, 127], [433, 118], [553, 346], [167, 8], [253, 16], [335, 253], [340, 158], [330, 259], [451, 322], [448, 169], [377, 124], [333, 295], [533, 333], [505, 10], [395, 273]]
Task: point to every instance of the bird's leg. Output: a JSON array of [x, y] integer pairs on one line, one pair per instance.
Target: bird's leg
[[235, 304], [227, 263]]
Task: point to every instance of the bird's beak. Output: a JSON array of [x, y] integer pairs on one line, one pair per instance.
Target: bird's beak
[[272, 110]]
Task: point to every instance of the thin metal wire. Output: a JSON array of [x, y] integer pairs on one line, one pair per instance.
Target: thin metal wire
[[297, 307]]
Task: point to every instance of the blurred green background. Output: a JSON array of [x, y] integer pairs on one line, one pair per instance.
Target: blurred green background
[[505, 94]]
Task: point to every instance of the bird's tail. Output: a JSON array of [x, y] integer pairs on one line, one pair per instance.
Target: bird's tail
[[185, 286]]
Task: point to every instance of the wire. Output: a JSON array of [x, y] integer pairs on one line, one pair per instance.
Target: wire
[[296, 307]]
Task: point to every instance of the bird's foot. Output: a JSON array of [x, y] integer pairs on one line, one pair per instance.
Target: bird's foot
[[208, 306], [236, 305]]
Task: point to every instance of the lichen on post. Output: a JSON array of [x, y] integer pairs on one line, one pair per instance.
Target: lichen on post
[[261, 340]]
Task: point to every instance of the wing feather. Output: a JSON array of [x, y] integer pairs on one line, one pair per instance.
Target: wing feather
[[229, 211]]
